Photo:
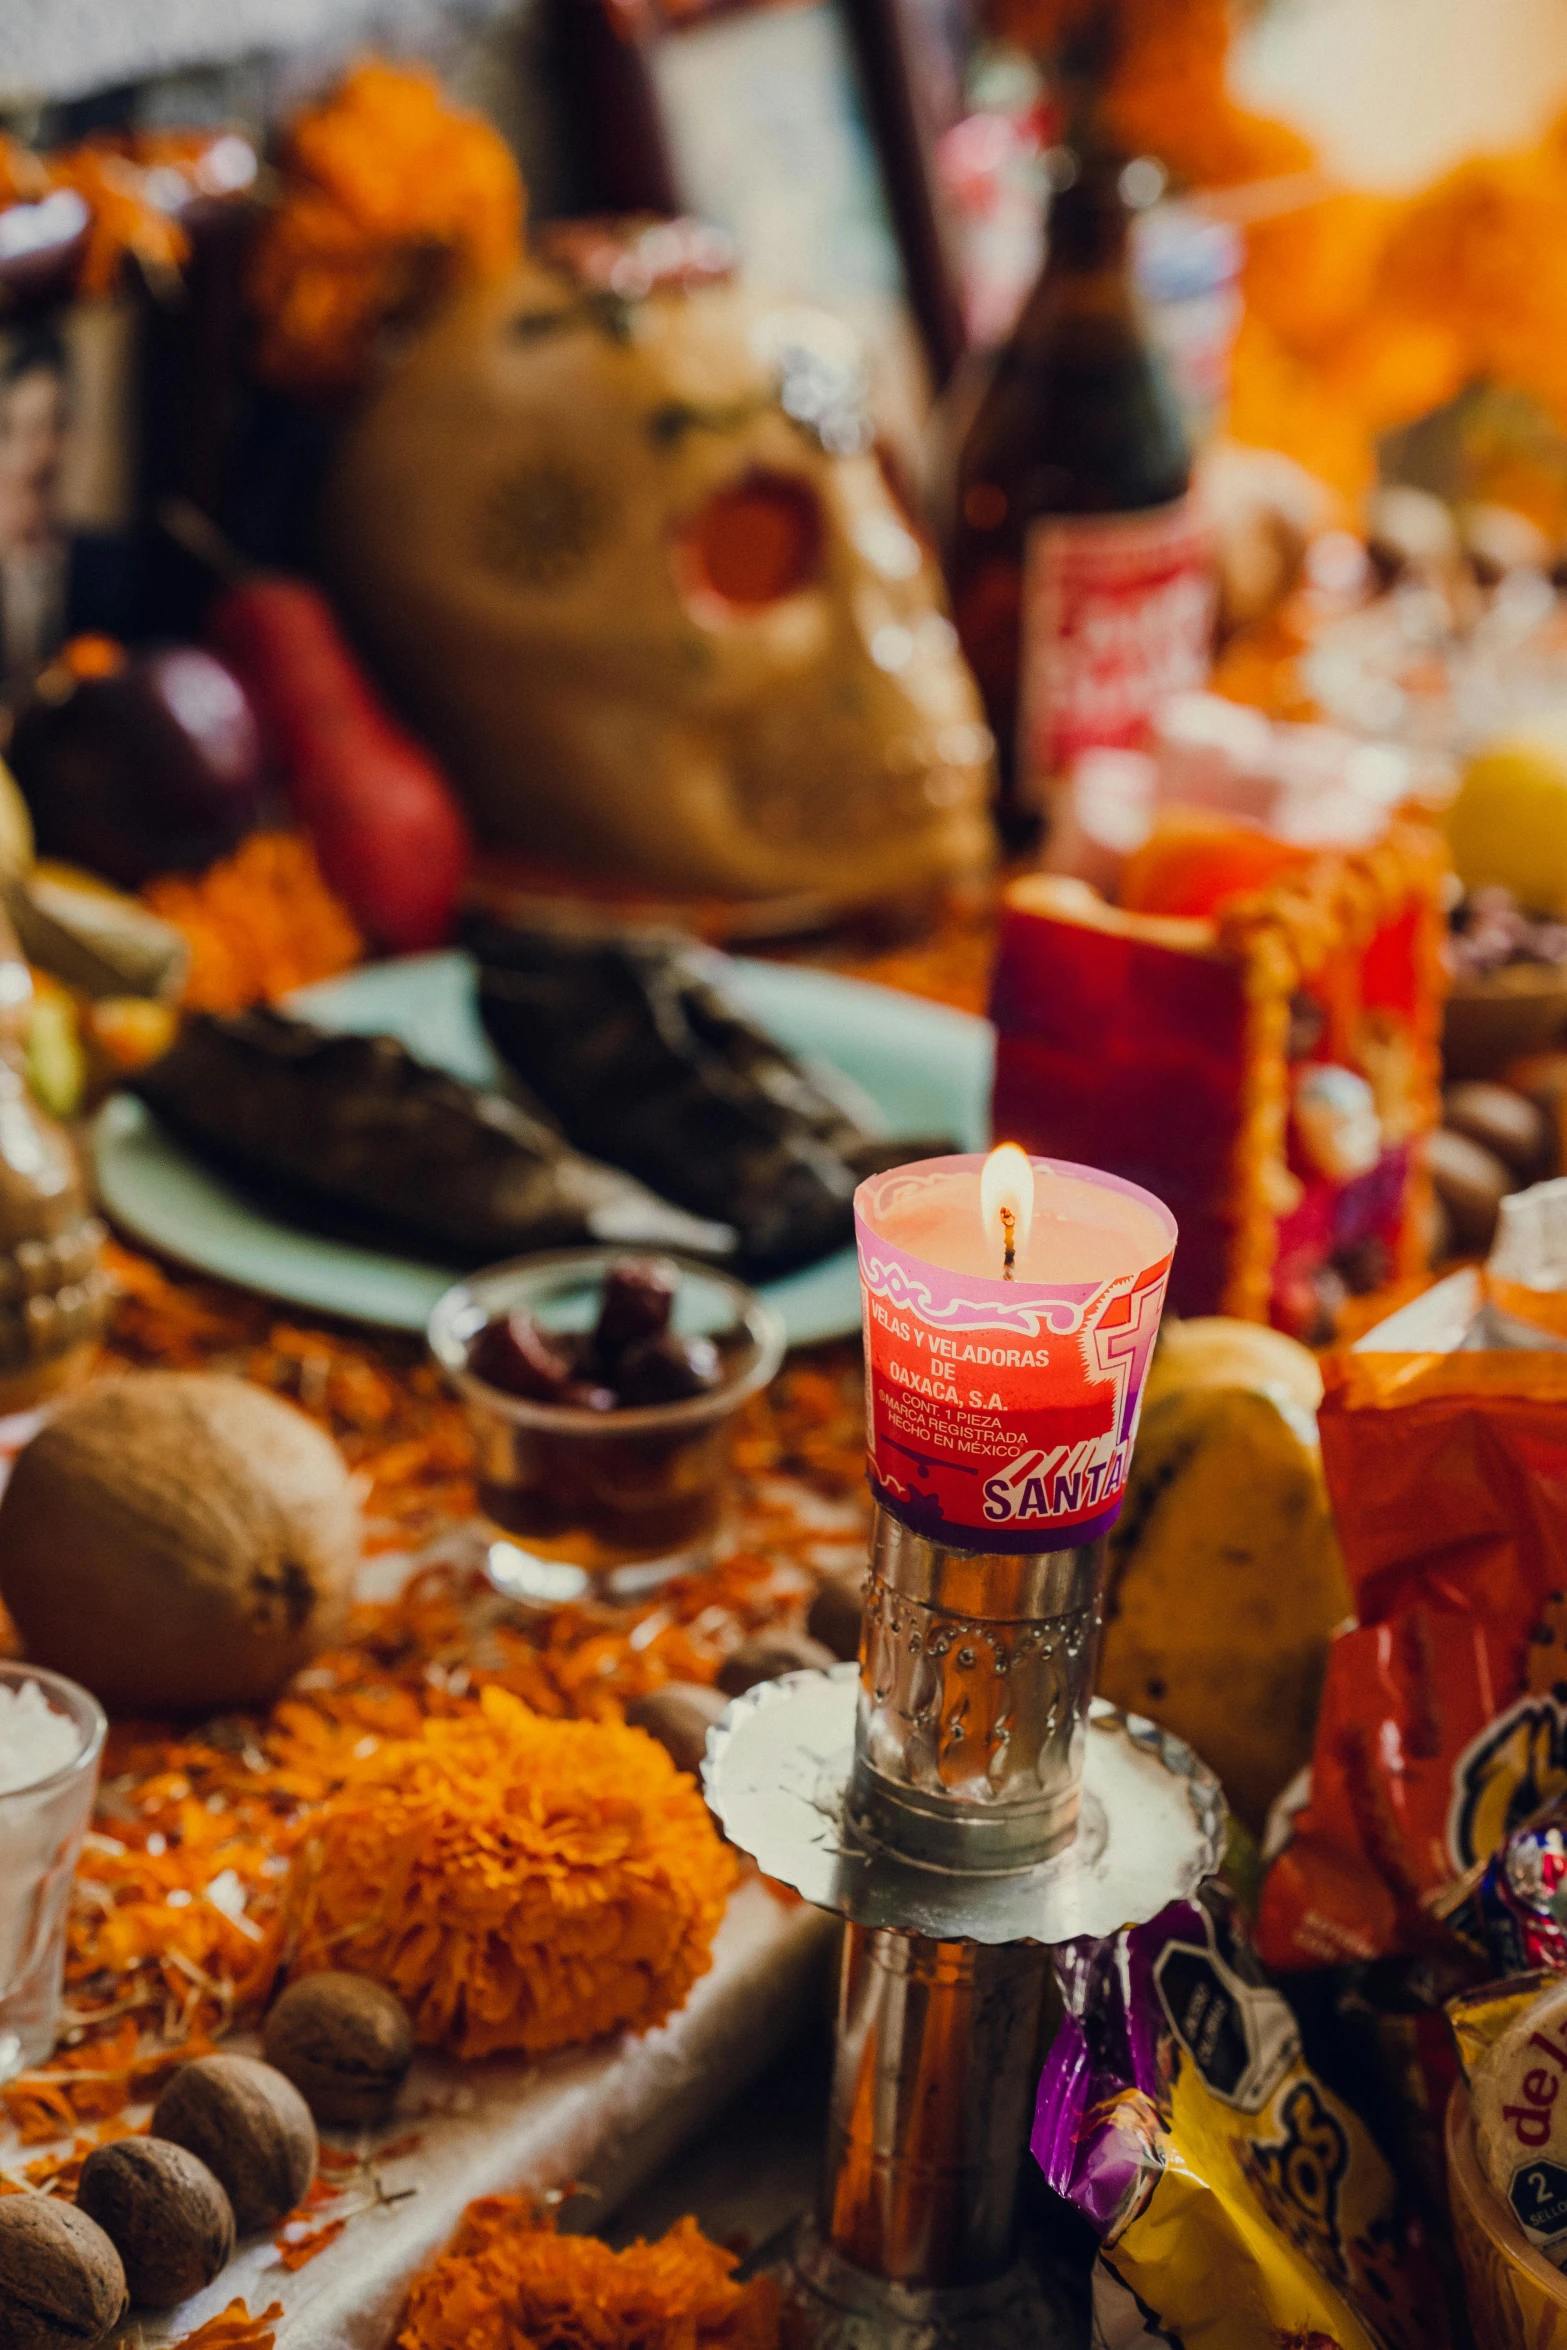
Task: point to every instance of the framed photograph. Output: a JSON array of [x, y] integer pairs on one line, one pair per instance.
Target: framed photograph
[[68, 462], [802, 127]]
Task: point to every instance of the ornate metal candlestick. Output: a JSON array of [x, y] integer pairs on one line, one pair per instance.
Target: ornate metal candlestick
[[959, 1799]]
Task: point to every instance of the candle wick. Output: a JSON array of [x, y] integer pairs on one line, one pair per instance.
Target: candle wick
[[1009, 1240]]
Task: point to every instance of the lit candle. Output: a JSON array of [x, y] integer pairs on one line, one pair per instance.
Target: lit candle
[[1011, 1307]]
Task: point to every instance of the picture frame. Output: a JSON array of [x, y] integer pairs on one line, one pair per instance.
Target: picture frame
[[803, 127], [70, 474]]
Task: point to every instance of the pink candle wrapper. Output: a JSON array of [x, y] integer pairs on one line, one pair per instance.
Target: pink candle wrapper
[[1000, 1415]]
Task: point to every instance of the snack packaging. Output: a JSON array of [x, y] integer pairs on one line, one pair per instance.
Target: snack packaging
[[1507, 2159], [1237, 2200], [1444, 1715], [1526, 1273], [1516, 2300], [1512, 1909]]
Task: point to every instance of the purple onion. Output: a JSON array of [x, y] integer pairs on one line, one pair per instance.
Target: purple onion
[[156, 768]]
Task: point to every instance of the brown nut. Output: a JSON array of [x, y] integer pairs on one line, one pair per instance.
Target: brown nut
[[835, 1615], [1471, 1183], [249, 2126], [346, 2044], [767, 1656], [1500, 1120], [679, 1716], [165, 2214], [62, 2286]]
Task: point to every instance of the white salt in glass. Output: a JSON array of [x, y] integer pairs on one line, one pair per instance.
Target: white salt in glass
[[42, 1823]]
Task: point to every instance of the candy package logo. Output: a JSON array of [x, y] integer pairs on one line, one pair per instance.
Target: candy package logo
[[1538, 2196], [1240, 2035], [1505, 1776], [1302, 2173]]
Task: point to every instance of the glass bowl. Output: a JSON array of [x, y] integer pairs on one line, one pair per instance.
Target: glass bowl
[[41, 1830], [627, 1498]]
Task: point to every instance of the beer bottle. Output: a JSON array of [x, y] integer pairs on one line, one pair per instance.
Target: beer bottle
[[1080, 580]]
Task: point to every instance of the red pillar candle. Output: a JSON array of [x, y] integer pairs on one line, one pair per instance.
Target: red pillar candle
[[1001, 1408]]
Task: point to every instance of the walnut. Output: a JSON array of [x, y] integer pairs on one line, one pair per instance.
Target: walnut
[[61, 2283], [344, 2042], [767, 1656], [249, 2126], [679, 1715], [836, 1614], [164, 2213]]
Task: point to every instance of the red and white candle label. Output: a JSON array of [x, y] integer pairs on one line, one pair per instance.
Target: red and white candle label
[[1117, 614], [1001, 1415]]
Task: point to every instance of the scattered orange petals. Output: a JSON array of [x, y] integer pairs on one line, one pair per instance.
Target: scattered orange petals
[[235, 2329], [519, 1882], [177, 1925], [259, 924], [509, 2282], [298, 2254]]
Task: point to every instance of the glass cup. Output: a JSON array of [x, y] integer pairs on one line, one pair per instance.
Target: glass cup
[[41, 1831], [609, 1501]]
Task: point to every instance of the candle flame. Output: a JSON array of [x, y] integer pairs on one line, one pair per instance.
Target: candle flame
[[1006, 1202]]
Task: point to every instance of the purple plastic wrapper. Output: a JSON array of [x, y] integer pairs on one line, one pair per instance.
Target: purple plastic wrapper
[[1514, 1909], [1188, 1978], [1237, 2200]]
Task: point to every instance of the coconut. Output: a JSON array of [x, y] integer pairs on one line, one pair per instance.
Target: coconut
[[178, 1541]]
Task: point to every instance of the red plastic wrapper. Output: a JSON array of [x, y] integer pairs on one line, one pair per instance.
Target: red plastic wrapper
[[1444, 1714], [1169, 1050]]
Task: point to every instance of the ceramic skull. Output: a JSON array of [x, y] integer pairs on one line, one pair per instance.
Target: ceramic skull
[[624, 546]]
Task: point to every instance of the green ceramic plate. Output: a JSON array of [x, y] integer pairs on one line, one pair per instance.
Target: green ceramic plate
[[927, 1070]]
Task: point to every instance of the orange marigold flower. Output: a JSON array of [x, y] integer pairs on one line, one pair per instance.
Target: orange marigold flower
[[1160, 67], [122, 219], [509, 2282], [520, 1882], [385, 185]]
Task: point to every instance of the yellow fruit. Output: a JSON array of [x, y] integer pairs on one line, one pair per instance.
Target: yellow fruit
[[1215, 1350], [1509, 821], [56, 1064], [16, 828], [1225, 1582]]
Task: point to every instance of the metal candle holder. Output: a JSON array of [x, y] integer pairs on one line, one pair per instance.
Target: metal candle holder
[[963, 1801]]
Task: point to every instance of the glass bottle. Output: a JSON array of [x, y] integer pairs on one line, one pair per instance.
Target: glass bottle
[[1080, 577]]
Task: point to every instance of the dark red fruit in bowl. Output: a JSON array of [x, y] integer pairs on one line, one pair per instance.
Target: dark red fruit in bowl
[[516, 1356], [669, 1370], [155, 767], [586, 1395], [639, 1297]]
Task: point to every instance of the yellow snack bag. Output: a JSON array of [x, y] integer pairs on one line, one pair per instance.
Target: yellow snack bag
[[1239, 2204], [1507, 2179]]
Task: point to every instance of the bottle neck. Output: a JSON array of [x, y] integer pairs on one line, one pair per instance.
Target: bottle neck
[[1087, 271]]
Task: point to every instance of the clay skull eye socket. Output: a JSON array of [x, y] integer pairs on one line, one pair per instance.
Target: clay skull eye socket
[[753, 542]]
